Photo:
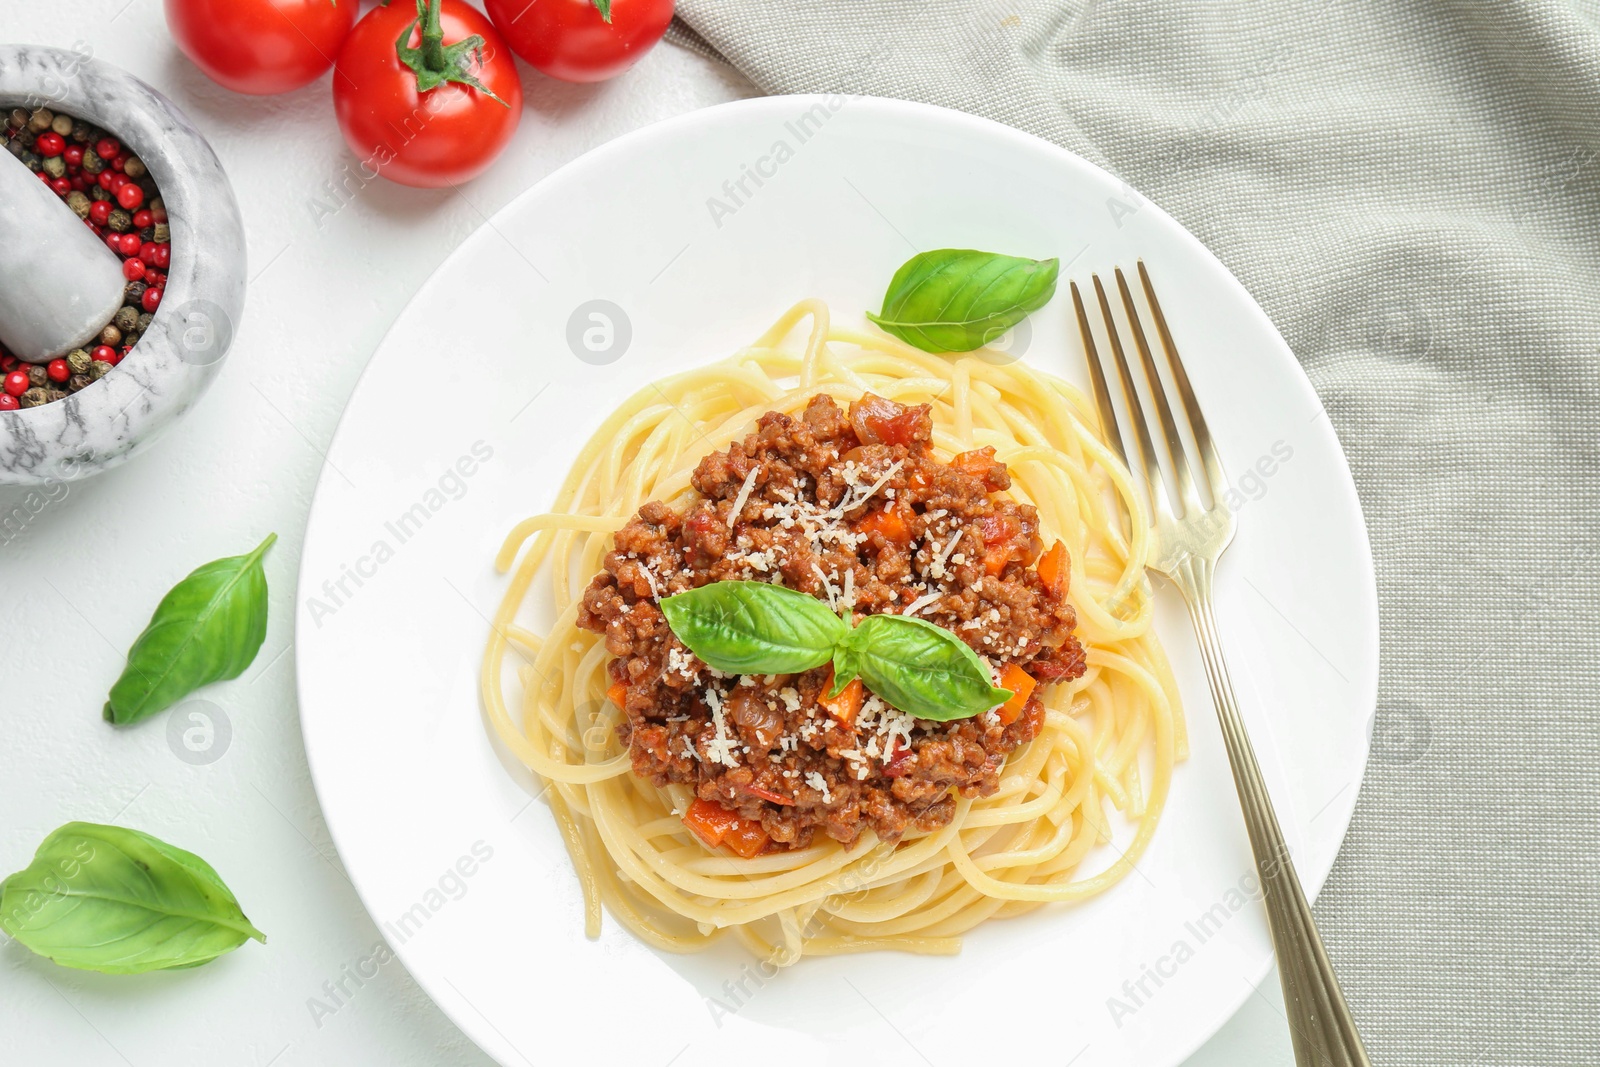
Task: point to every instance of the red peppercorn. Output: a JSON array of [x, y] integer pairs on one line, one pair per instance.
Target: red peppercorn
[[104, 353], [133, 268], [8, 402], [80, 183], [61, 187], [100, 212], [17, 382], [158, 214], [49, 144], [142, 219], [8, 363], [119, 161], [151, 299], [107, 148], [44, 177], [130, 196], [106, 179], [130, 244], [114, 242], [147, 252], [58, 370], [155, 278], [117, 180], [163, 255], [73, 154]]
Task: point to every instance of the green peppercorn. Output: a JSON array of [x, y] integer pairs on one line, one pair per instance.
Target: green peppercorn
[[98, 369], [145, 318], [79, 361], [32, 161], [97, 193], [33, 398], [130, 339], [37, 375], [126, 319], [55, 166], [120, 220], [162, 234], [134, 168], [78, 381], [16, 148], [92, 163], [41, 120], [78, 203]]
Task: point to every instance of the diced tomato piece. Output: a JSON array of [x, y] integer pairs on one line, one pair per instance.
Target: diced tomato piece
[[899, 760], [844, 706], [879, 421], [745, 840], [1021, 684], [995, 560], [981, 464], [767, 794], [890, 524], [710, 821], [618, 693], [1053, 570]]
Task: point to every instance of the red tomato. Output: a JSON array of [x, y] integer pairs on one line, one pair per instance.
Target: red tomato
[[261, 46], [436, 112], [581, 40]]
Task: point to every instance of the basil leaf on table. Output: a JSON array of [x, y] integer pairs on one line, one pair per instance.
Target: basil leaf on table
[[920, 668], [109, 899], [209, 627], [956, 300], [754, 627]]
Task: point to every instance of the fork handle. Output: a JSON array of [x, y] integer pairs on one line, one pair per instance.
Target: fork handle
[[1320, 1023]]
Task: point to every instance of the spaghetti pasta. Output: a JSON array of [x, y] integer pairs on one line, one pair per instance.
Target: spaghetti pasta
[[1109, 740]]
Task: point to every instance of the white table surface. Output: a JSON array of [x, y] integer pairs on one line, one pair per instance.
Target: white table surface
[[332, 262]]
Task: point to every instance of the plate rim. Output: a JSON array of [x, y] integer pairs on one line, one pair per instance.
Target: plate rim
[[453, 1006]]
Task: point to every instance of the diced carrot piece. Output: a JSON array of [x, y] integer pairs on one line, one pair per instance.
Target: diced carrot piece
[[844, 706], [745, 840], [1021, 684], [1053, 569], [891, 524], [710, 821], [618, 693], [995, 560], [981, 464]]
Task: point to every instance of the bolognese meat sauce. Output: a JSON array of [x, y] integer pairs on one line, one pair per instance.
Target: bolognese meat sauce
[[852, 508]]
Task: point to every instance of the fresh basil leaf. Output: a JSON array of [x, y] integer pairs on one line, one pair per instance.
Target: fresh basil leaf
[[207, 628], [922, 669], [754, 627], [109, 899], [956, 300]]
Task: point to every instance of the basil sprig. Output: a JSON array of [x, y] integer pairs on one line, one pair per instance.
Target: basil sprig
[[754, 627], [956, 300], [209, 627], [114, 900], [759, 628]]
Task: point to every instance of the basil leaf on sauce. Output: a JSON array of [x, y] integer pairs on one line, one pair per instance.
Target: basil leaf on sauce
[[209, 627], [956, 300], [922, 669], [109, 899], [754, 627]]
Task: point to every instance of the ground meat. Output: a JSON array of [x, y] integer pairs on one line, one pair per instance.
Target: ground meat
[[849, 507]]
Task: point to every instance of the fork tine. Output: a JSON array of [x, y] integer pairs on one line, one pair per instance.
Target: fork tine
[[1097, 380], [1170, 434], [1146, 448], [1216, 479]]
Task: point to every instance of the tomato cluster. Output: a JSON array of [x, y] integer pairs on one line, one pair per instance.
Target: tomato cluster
[[426, 91]]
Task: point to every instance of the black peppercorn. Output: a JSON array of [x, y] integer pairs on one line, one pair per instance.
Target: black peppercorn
[[145, 318], [120, 220], [133, 292], [19, 118], [82, 131], [126, 319], [78, 381], [134, 168], [37, 375], [97, 193], [53, 394], [31, 160], [33, 398]]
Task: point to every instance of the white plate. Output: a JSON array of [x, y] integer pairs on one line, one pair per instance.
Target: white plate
[[468, 878]]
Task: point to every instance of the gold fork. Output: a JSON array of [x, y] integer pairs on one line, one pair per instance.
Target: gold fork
[[1186, 545]]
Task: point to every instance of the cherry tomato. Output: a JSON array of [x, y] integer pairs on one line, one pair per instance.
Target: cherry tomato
[[581, 40], [261, 46], [436, 111]]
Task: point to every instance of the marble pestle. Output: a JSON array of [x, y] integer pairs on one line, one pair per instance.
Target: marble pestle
[[59, 283]]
